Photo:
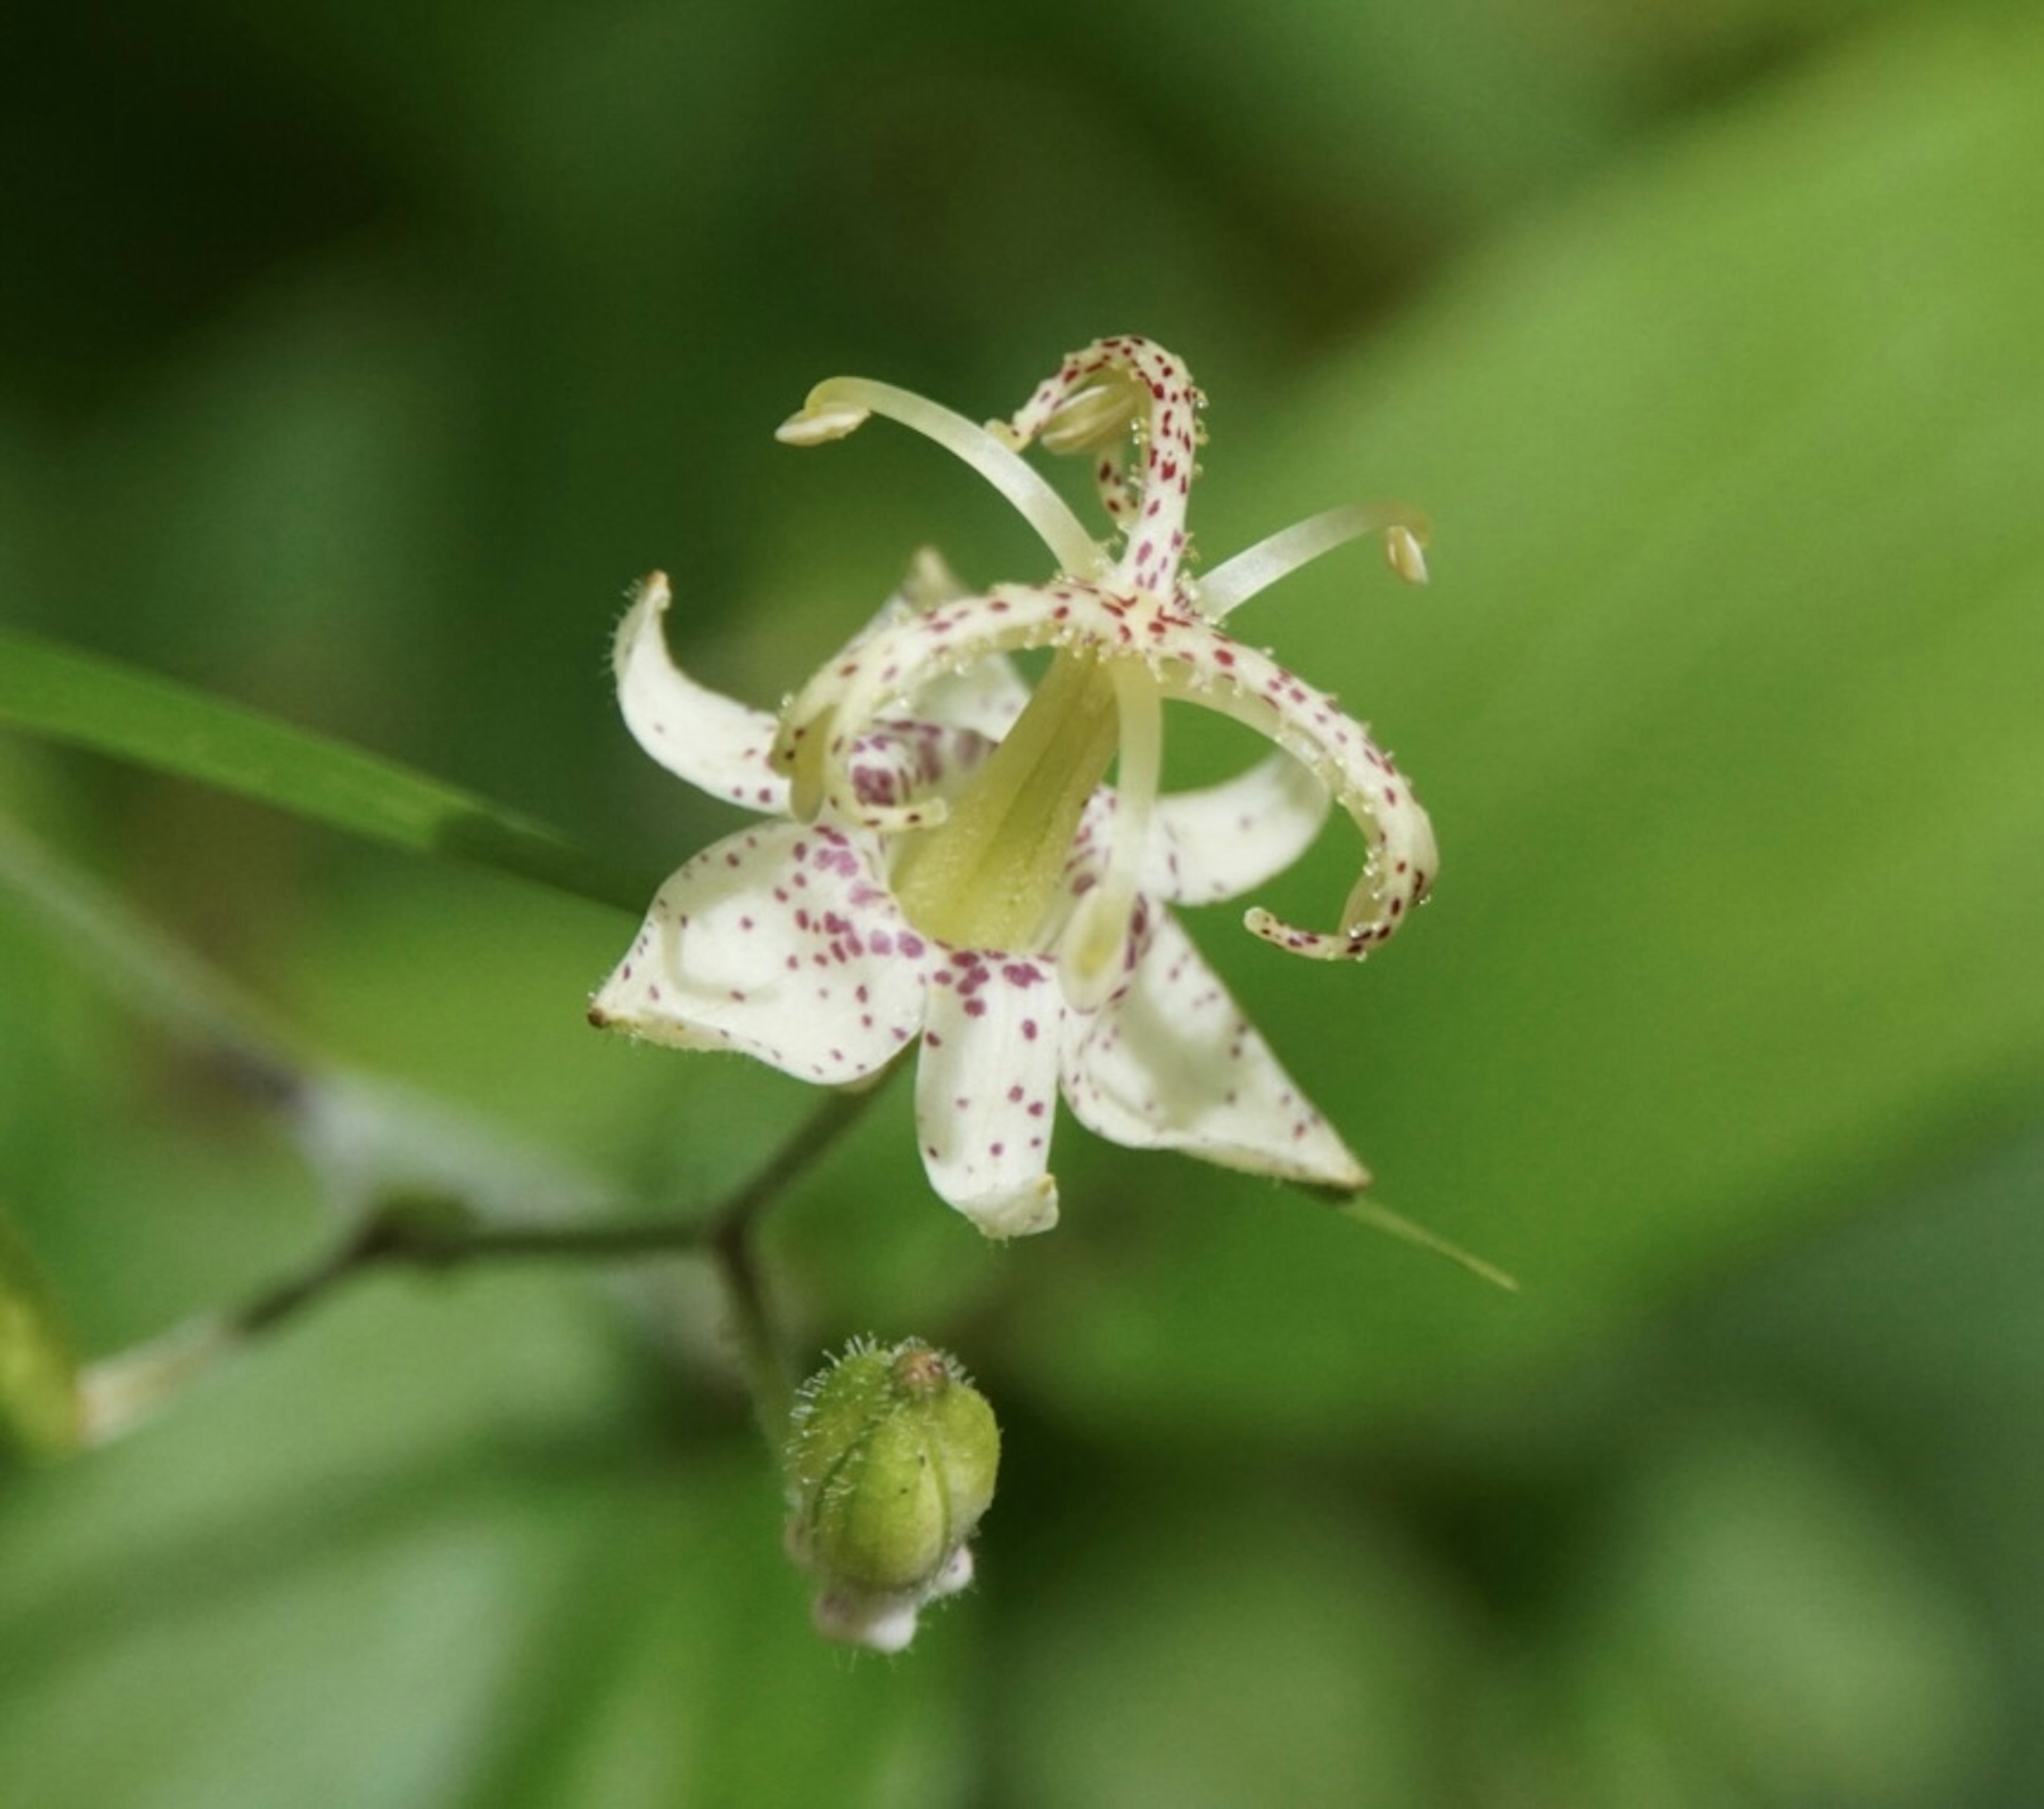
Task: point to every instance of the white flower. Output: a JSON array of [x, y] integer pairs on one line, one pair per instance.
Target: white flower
[[943, 858]]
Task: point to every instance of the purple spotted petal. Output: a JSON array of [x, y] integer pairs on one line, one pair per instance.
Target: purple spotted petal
[[1172, 1064], [1220, 842], [716, 744], [986, 1086], [897, 761], [780, 942]]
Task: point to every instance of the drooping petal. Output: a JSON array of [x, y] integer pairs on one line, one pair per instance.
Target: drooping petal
[[1218, 842], [1172, 1064], [716, 744], [986, 1087], [780, 942]]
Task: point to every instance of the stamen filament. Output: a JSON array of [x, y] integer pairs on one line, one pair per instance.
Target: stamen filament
[[1234, 581], [836, 408], [1089, 961]]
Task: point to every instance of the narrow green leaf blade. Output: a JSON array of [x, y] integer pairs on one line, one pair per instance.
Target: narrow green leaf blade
[[88, 701]]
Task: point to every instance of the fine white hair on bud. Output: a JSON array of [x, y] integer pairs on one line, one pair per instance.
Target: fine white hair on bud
[[891, 1458]]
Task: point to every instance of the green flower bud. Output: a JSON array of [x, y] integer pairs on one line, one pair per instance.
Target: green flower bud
[[891, 1458]]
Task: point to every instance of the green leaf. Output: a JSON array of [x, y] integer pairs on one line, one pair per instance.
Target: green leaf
[[1725, 704], [96, 703]]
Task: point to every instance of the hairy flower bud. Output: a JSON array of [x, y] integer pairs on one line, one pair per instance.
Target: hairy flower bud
[[891, 1458]]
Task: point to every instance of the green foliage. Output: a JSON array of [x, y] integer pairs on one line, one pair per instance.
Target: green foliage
[[1720, 696]]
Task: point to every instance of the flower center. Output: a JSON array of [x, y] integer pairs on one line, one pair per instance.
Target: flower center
[[991, 874]]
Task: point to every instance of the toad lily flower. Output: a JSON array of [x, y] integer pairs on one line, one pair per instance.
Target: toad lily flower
[[945, 859]]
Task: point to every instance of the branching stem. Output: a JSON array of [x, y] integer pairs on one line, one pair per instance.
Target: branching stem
[[120, 1390]]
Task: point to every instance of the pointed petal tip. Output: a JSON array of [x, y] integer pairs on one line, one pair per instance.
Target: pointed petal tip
[[614, 1009], [650, 598], [715, 742], [1345, 1178]]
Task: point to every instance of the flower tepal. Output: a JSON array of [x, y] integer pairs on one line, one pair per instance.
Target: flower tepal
[[953, 857]]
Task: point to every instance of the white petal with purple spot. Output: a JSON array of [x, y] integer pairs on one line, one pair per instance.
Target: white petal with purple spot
[[716, 744], [780, 942], [1172, 1064], [1220, 842], [986, 1087]]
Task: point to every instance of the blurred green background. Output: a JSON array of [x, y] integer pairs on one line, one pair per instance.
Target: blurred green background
[[353, 361]]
